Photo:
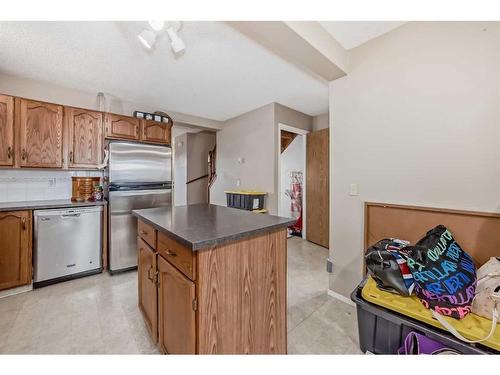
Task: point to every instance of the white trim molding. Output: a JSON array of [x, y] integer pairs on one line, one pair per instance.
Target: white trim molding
[[18, 290], [340, 297]]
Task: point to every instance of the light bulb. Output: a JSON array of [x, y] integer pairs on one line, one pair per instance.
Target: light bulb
[[177, 43], [157, 25], [147, 38]]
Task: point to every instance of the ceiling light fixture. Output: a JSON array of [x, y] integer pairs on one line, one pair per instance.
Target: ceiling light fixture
[[177, 43], [157, 25], [147, 38]]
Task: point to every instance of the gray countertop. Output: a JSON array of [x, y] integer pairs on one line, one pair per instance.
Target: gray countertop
[[32, 205], [199, 226]]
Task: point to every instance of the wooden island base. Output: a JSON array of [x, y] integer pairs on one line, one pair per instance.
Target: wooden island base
[[223, 299]]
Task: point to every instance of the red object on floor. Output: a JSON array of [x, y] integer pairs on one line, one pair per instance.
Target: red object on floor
[[297, 227]]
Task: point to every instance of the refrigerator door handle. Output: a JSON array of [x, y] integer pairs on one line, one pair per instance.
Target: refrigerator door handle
[[134, 193]]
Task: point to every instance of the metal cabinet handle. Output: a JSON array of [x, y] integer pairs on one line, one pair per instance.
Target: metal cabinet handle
[[170, 253], [23, 223], [71, 156], [144, 233], [9, 152], [24, 154], [149, 274]]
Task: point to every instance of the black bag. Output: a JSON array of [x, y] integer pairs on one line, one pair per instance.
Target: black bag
[[444, 274], [386, 264]]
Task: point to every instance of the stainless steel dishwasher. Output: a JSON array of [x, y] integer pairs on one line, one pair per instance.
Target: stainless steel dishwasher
[[68, 244]]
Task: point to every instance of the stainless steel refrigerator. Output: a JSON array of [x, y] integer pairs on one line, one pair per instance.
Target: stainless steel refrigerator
[[140, 176]]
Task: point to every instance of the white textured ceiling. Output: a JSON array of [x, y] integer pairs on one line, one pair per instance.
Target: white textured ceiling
[[351, 34], [221, 74]]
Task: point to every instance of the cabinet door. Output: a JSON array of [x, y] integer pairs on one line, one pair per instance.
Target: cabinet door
[[6, 130], [15, 249], [121, 127], [148, 299], [85, 130], [40, 140], [176, 310], [157, 132]]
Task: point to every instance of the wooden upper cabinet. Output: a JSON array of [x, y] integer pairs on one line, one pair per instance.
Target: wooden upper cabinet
[[6, 130], [176, 310], [148, 300], [40, 127], [15, 249], [157, 132], [85, 137], [121, 127]]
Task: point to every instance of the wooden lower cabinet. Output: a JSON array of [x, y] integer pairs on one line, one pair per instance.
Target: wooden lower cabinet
[[176, 310], [225, 299], [148, 301], [15, 249]]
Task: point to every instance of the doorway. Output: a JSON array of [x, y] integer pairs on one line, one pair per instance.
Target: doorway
[[291, 177]]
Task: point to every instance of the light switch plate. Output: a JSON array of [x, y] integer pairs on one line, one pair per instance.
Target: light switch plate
[[353, 190]]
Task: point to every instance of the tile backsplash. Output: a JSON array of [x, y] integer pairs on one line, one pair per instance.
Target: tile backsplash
[[33, 185]]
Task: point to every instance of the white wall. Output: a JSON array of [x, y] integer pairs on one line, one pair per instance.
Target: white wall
[[33, 185], [251, 137], [292, 160], [254, 137], [46, 91], [416, 121], [198, 147], [180, 169], [320, 122]]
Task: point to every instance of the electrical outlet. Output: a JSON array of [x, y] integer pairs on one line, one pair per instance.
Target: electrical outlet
[[52, 182], [329, 266]]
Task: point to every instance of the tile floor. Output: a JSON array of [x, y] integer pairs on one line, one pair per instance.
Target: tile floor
[[99, 314]]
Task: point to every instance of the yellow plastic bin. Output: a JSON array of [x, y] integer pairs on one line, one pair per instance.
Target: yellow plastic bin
[[384, 319]]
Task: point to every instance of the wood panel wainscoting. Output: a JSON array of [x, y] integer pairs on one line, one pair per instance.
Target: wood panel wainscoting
[[478, 233], [225, 299], [318, 187]]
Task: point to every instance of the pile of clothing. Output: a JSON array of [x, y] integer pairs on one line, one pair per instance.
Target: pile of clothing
[[441, 274]]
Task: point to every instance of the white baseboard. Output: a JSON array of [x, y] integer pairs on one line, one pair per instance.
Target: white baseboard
[[18, 290], [340, 297]]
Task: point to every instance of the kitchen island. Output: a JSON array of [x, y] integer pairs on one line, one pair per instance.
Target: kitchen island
[[212, 279]]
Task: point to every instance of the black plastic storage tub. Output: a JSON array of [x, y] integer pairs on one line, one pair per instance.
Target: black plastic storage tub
[[382, 331], [245, 200]]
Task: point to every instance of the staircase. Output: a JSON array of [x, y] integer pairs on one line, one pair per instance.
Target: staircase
[[212, 175], [286, 139]]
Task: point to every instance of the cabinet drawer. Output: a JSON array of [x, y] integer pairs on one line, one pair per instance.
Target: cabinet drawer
[[177, 254], [147, 233]]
